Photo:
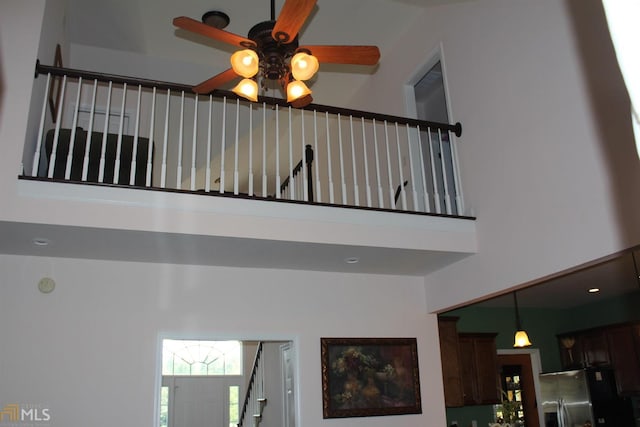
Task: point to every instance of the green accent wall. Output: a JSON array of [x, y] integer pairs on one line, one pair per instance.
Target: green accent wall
[[542, 326]]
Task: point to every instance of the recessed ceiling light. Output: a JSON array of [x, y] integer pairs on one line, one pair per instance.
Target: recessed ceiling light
[[352, 260], [41, 241], [594, 290]]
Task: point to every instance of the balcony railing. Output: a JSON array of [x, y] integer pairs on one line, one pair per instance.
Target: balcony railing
[[115, 130]]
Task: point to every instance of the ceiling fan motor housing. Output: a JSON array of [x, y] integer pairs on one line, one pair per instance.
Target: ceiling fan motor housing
[[273, 54]]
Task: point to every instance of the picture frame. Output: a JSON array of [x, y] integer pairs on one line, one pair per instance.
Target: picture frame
[[56, 86], [364, 377]]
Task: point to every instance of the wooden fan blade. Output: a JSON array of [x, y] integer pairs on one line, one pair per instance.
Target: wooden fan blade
[[215, 82], [291, 19], [203, 29], [357, 55]]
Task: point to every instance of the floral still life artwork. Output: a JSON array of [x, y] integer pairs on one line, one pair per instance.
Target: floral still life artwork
[[369, 377]]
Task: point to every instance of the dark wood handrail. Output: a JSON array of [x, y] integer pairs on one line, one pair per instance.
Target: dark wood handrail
[[423, 124]]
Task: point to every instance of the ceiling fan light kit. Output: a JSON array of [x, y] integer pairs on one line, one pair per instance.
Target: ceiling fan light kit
[[247, 88], [296, 90], [245, 63], [271, 52], [304, 66]]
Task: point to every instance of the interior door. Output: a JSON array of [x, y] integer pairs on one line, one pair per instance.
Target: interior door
[[199, 401], [527, 384]]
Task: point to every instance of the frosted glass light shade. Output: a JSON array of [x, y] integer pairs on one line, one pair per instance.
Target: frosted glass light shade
[[303, 66], [521, 339], [248, 89], [296, 90], [245, 63]]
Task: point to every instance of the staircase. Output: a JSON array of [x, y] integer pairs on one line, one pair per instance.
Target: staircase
[[255, 400]]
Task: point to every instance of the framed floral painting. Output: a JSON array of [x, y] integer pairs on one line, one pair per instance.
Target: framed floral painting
[[369, 377]]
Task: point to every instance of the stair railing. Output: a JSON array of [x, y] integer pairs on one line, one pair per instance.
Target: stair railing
[[291, 188], [254, 400]]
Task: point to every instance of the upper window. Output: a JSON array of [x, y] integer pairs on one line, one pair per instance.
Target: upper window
[[186, 357]]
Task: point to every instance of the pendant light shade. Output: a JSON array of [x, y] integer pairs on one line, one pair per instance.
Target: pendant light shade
[[521, 338], [248, 89], [245, 63], [303, 66], [296, 90]]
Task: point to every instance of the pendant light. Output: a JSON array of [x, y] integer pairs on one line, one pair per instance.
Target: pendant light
[[521, 338]]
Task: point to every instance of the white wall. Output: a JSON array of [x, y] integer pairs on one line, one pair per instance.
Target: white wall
[[20, 24], [546, 152], [89, 350]]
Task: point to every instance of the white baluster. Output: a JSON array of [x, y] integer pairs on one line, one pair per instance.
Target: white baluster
[[305, 187], [356, 192], [134, 153], [436, 193], [329, 162], [116, 167], [105, 132], [222, 143], [292, 186], [411, 170], [87, 145], [264, 149], [152, 120], [402, 192], [366, 163], [427, 207], [316, 159], [56, 133], [207, 183], [378, 177], [72, 141], [180, 141], [392, 202], [194, 142], [447, 198], [344, 184], [43, 114], [163, 172]]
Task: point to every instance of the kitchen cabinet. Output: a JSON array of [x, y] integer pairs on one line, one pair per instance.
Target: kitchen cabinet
[[584, 348], [617, 346], [479, 363], [450, 356], [625, 357], [595, 349]]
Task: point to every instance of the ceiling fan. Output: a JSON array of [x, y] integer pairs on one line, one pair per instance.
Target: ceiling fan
[[271, 52]]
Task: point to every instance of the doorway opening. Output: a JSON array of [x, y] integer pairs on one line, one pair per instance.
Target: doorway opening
[[436, 149], [518, 376], [207, 383]]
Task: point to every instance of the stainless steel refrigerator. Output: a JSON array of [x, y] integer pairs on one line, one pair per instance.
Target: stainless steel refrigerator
[[583, 398]]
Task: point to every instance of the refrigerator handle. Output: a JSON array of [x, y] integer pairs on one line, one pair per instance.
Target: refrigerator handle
[[561, 415]]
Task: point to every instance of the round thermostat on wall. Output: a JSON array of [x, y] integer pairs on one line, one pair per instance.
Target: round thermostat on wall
[[46, 285]]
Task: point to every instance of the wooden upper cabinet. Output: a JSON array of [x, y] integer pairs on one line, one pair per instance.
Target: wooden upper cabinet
[[625, 357], [595, 348], [479, 362], [450, 356], [617, 346]]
